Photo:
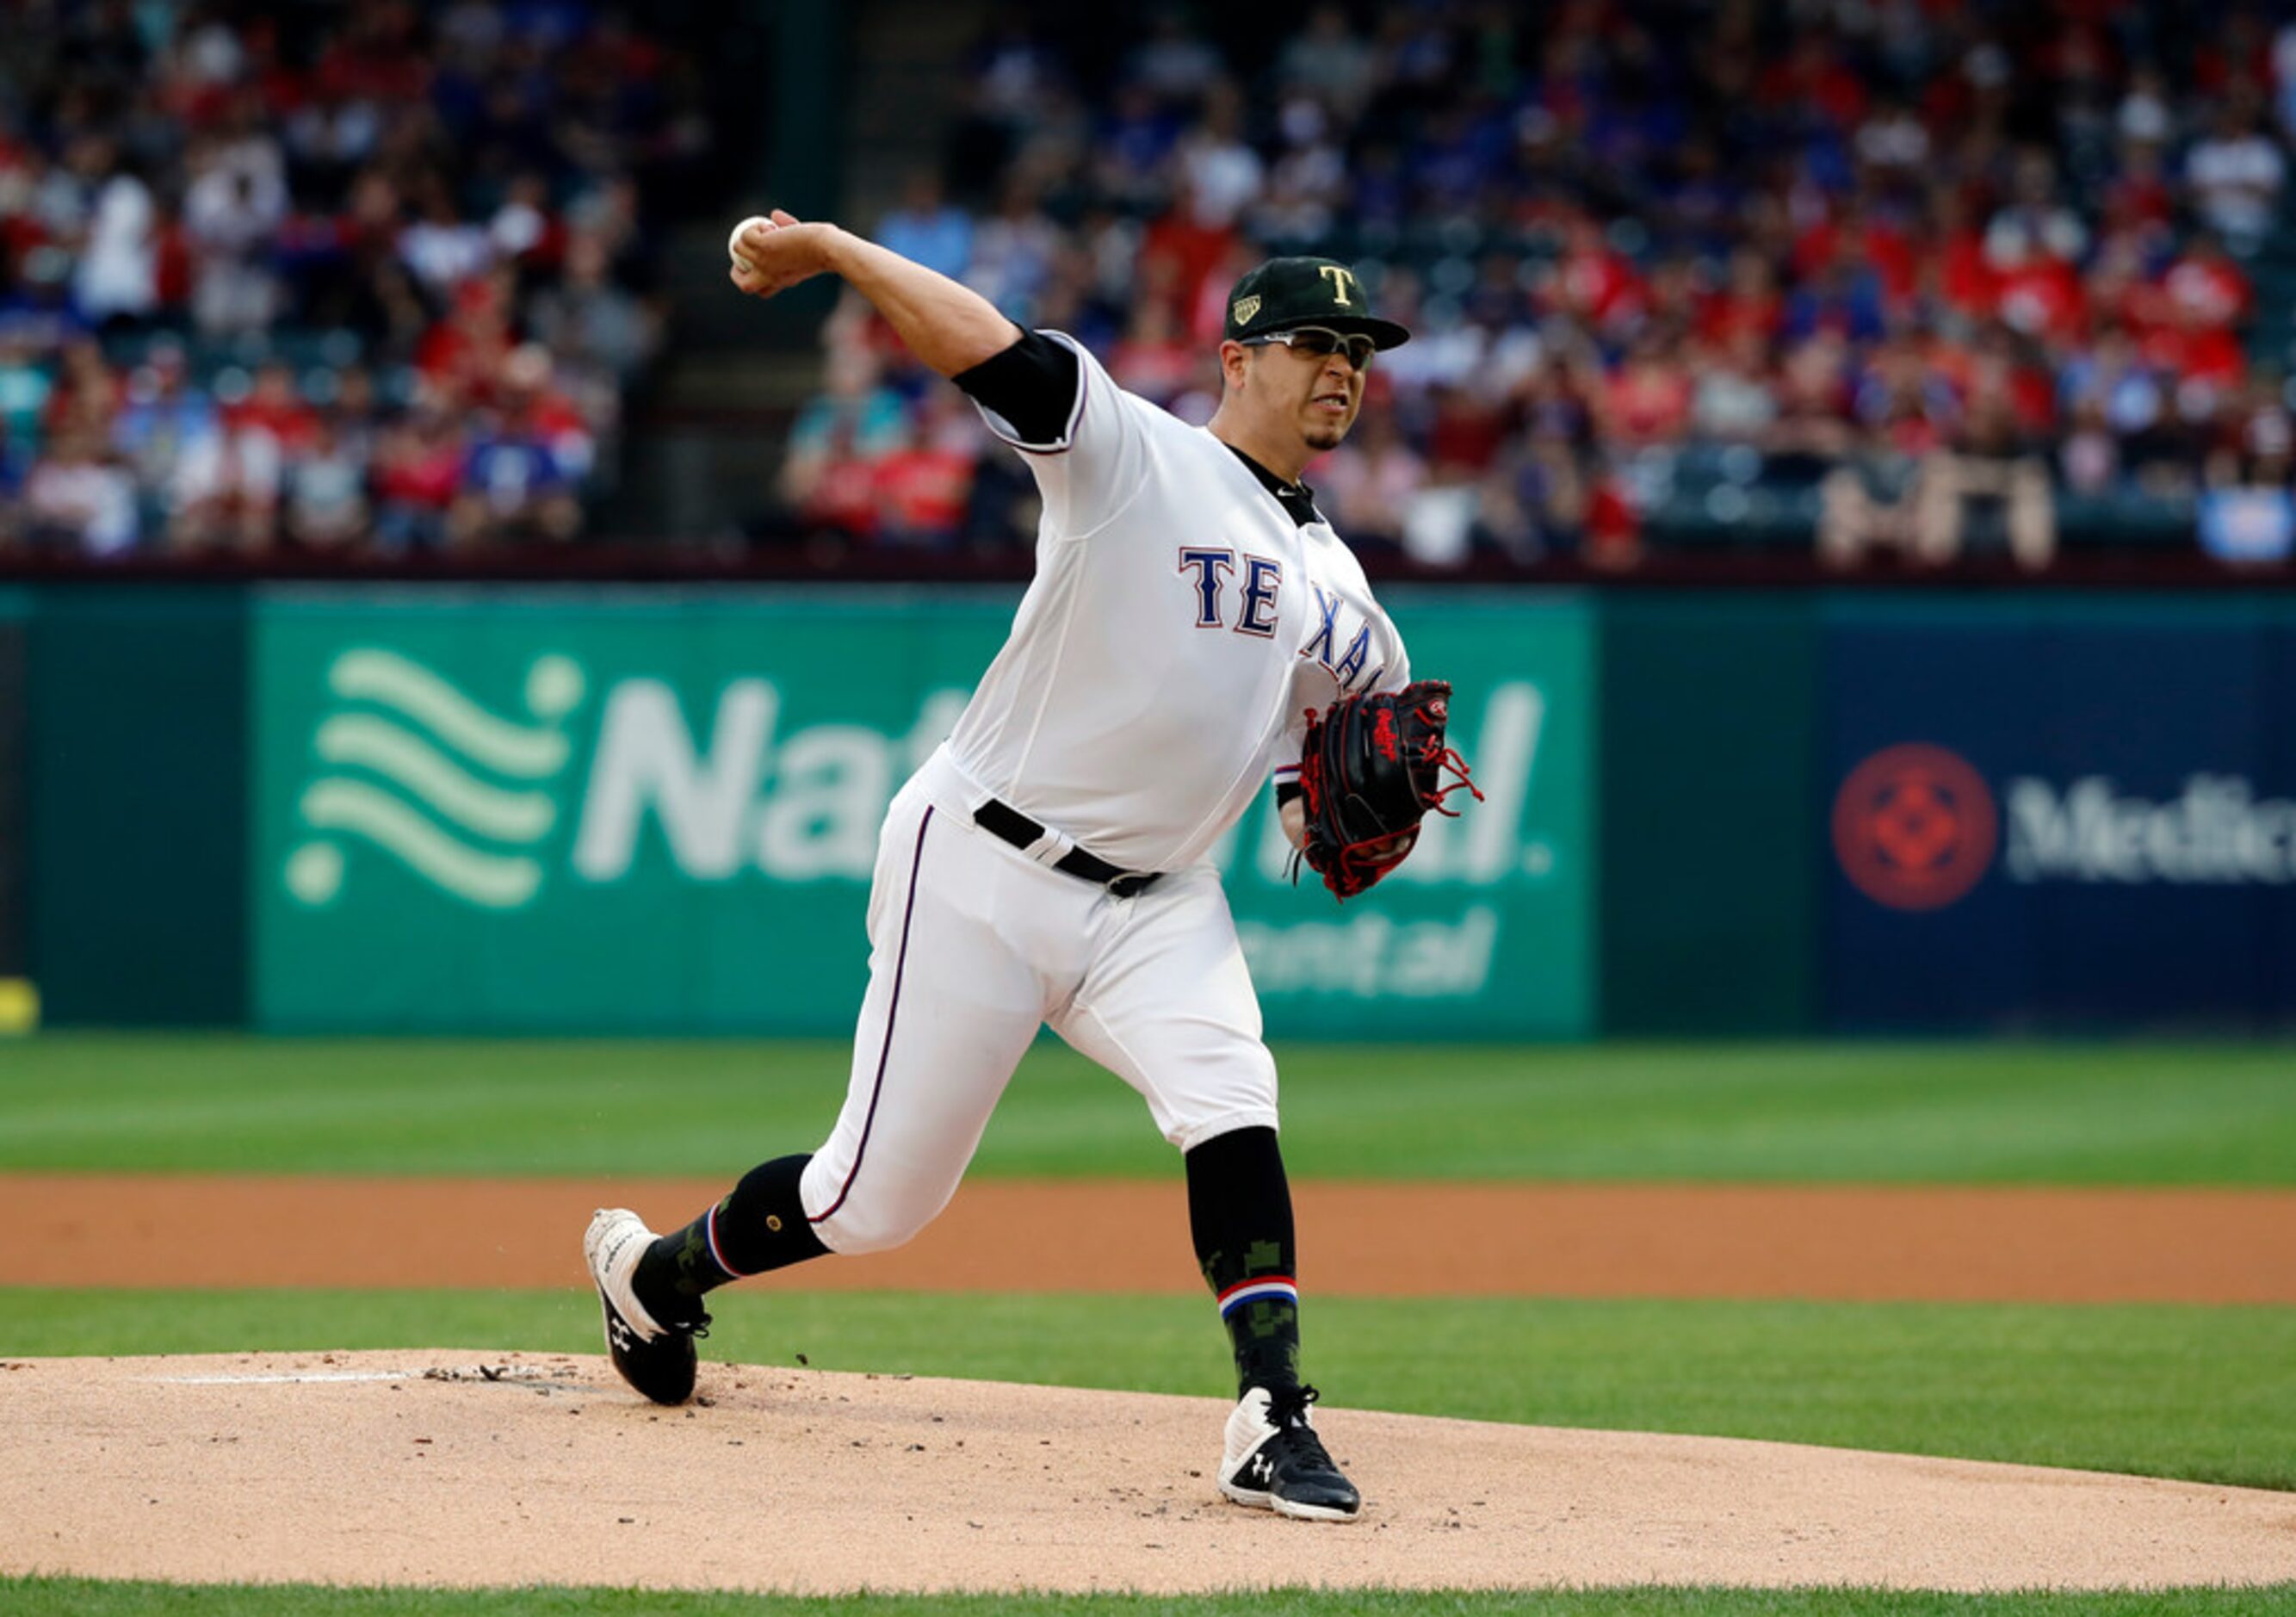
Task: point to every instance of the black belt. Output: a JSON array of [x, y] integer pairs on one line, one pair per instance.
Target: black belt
[[1017, 828]]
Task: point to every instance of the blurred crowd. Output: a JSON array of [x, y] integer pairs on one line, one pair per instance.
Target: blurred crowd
[[368, 277], [1907, 259]]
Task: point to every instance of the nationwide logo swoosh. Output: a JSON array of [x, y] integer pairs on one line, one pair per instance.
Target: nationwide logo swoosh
[[466, 872], [456, 793], [446, 786], [500, 744]]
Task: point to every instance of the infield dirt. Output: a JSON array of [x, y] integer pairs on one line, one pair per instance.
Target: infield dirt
[[435, 1468], [1851, 1243], [438, 1468]]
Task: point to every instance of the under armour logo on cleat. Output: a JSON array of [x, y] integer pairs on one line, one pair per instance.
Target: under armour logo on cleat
[[1261, 1468], [624, 1337]]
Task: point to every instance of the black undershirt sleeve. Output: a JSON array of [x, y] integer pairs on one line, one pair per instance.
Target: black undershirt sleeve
[[1032, 385]]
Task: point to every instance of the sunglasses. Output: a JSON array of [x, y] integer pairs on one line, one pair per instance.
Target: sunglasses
[[1322, 343]]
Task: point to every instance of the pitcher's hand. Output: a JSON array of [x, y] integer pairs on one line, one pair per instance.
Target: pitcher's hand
[[772, 254]]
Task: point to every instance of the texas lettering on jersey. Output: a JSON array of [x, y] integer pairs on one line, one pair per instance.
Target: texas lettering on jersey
[[1346, 667], [1343, 655], [1262, 577]]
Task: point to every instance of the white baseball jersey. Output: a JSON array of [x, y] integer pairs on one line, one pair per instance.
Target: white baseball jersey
[[1180, 626]]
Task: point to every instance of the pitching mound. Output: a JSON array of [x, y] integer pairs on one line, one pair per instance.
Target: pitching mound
[[435, 1468]]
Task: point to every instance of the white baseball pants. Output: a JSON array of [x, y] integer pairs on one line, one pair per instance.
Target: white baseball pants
[[974, 945]]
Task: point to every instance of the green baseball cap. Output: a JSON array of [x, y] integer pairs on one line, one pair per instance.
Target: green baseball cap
[[1284, 294]]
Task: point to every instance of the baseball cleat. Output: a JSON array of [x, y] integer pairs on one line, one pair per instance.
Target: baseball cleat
[[1274, 1461], [657, 1359]]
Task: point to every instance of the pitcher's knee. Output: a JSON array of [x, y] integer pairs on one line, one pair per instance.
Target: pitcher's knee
[[853, 1229], [870, 1207]]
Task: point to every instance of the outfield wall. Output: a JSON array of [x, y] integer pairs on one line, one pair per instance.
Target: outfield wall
[[15, 779], [655, 811]]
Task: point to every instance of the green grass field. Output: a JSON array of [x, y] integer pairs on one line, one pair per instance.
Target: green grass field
[[2043, 1114], [82, 1598], [2198, 1392]]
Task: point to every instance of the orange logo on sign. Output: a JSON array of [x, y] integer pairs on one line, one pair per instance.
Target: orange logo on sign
[[1914, 827]]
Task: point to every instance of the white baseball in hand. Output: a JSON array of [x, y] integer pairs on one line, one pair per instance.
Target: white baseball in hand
[[733, 242]]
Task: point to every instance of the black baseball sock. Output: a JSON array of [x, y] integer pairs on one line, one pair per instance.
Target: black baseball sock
[[762, 1225], [1239, 1212]]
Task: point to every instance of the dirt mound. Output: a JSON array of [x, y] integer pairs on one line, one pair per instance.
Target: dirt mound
[[435, 1468]]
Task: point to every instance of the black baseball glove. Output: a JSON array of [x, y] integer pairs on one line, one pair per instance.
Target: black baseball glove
[[1372, 766]]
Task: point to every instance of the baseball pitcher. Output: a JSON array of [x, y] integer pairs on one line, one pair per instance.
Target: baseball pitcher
[[1195, 629]]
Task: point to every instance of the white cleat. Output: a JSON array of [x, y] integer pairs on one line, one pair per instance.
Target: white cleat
[[657, 1359]]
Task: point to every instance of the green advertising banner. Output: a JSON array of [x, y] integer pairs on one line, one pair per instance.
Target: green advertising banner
[[569, 811], [1710, 901], [15, 775], [136, 703]]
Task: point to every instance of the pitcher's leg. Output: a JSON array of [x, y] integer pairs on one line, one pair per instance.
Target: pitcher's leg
[[930, 1059], [948, 1011], [1168, 1005], [760, 1226], [1240, 1217]]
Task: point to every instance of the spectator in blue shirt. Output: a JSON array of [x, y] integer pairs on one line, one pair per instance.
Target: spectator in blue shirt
[[927, 229]]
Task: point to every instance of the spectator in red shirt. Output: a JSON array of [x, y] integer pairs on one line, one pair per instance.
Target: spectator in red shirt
[[1154, 359], [464, 351], [1648, 398], [2038, 294], [1965, 282], [2198, 352], [2140, 196], [418, 469], [1595, 281], [922, 487], [2118, 288], [1748, 304], [1814, 80], [1863, 238], [1192, 245], [266, 432], [2205, 283]]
